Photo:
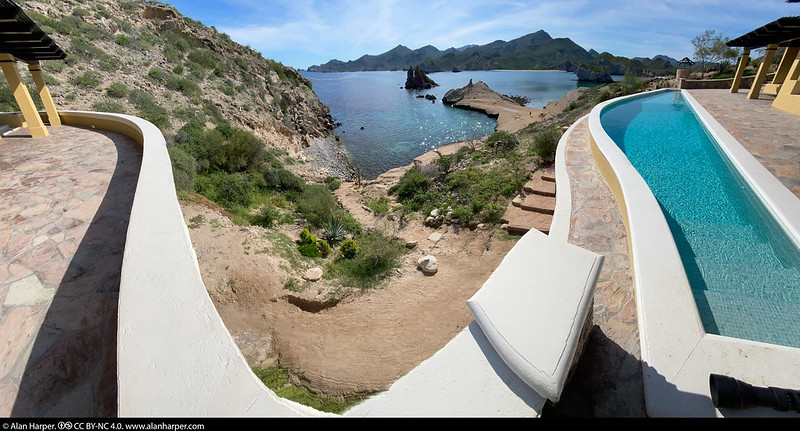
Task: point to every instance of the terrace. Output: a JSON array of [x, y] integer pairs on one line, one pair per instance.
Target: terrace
[[104, 312]]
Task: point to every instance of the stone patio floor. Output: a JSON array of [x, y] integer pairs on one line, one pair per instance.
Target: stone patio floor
[[66, 200]]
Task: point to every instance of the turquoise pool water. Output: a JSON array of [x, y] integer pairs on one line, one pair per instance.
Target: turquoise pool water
[[743, 268]]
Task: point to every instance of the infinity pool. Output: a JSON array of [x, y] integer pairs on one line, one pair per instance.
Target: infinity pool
[[743, 269]]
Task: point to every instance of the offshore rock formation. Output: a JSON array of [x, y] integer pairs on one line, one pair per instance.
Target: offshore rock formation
[[417, 80]]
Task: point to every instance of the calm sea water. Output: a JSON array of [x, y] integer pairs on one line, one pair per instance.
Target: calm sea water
[[384, 126]]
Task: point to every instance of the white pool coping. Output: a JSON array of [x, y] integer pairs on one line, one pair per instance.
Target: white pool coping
[[677, 354]]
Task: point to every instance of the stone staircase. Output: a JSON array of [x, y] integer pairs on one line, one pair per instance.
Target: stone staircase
[[535, 209]]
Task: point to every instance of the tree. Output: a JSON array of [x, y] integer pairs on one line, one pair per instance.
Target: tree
[[710, 48]]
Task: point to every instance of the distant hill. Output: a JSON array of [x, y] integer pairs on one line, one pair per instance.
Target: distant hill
[[535, 51]]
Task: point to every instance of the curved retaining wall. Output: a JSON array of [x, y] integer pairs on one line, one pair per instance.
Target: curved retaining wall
[[677, 354], [175, 357]]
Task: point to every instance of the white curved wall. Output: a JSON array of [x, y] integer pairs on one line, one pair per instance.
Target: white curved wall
[[175, 357]]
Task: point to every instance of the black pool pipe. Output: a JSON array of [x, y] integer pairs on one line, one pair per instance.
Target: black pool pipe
[[727, 392]]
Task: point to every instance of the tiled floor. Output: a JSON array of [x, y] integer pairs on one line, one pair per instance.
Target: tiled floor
[[66, 201]]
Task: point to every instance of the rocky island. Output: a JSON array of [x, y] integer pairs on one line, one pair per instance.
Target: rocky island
[[417, 80]]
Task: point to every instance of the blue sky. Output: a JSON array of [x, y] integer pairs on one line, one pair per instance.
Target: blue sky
[[301, 33]]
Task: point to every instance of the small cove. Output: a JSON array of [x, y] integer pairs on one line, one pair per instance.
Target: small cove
[[384, 126]]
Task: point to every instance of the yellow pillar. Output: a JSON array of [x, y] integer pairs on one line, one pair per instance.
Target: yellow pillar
[[23, 98], [761, 76], [737, 80], [44, 94], [783, 69], [788, 98]]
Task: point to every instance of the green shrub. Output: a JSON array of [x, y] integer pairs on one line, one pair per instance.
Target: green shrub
[[108, 106], [349, 249], [412, 183], [333, 183], [282, 179], [502, 141], [184, 168], [306, 237], [186, 86], [117, 90], [545, 143], [158, 75], [316, 204], [324, 248], [202, 57], [88, 79], [234, 150], [309, 250], [227, 189], [122, 40], [375, 255]]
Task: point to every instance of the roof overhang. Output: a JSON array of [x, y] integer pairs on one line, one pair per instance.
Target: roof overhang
[[22, 38], [782, 32]]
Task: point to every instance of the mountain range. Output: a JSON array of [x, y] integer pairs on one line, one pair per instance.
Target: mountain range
[[534, 51]]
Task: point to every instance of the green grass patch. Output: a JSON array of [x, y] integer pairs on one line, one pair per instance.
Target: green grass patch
[[277, 379]]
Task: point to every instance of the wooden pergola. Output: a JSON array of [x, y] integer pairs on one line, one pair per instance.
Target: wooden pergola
[[22, 40], [785, 85]]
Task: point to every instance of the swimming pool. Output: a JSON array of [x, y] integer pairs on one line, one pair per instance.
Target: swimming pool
[[743, 269]]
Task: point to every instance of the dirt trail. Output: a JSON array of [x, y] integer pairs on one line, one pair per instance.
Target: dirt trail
[[367, 340]]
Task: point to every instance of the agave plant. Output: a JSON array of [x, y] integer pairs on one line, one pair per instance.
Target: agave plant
[[334, 230]]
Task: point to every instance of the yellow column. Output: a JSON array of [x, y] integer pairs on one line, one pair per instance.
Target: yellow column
[[783, 69], [761, 76], [23, 98], [737, 80], [44, 93], [788, 98]]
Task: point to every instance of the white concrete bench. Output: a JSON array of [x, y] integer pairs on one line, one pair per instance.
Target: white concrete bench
[[534, 307]]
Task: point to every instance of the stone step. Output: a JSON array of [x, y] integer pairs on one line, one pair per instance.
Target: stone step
[[524, 221], [549, 176], [539, 203], [540, 187]]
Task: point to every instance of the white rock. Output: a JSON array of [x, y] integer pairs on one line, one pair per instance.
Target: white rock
[[313, 274], [428, 265], [435, 213]]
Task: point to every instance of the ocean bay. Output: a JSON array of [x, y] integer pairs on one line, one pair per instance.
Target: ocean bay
[[384, 126]]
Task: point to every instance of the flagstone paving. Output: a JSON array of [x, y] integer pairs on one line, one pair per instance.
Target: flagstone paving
[[66, 202]]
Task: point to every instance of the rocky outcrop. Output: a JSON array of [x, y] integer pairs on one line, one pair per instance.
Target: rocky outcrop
[[511, 116], [600, 75], [190, 72], [417, 80]]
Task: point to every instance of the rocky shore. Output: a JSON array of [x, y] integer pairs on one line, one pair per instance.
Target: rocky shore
[[511, 116]]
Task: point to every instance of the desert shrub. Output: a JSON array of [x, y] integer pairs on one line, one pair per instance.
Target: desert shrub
[[316, 204], [122, 40], [234, 150], [158, 75], [333, 183], [88, 79], [323, 247], [117, 90], [309, 250], [184, 168], [282, 179], [306, 237], [375, 255], [349, 249], [227, 189], [186, 86], [411, 184], [202, 57], [148, 109], [544, 143], [501, 141], [108, 106]]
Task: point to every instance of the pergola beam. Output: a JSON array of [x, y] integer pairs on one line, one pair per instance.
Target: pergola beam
[[23, 98]]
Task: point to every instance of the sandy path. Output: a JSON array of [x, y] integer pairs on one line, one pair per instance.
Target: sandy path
[[369, 339]]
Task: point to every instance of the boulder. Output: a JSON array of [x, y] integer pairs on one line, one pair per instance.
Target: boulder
[[427, 264], [590, 75], [313, 274]]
